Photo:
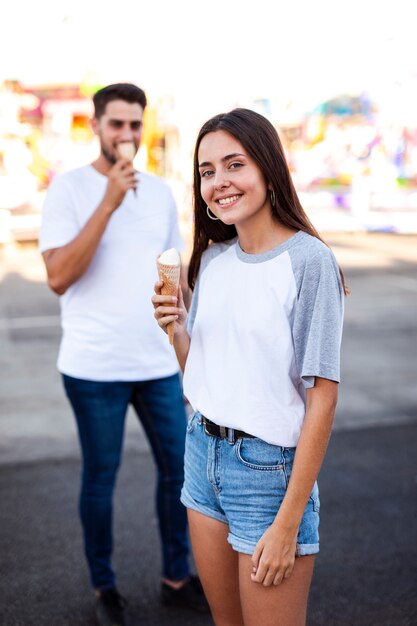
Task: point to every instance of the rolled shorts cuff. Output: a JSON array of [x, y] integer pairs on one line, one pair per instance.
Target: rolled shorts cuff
[[305, 549], [248, 547], [241, 545], [238, 544], [190, 503]]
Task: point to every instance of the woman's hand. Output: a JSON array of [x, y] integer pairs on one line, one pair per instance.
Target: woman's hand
[[274, 556], [169, 309]]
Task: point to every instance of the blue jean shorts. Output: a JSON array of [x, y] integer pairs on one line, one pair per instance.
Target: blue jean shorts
[[243, 483]]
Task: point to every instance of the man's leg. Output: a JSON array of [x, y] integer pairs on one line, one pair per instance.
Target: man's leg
[[160, 407], [100, 410]]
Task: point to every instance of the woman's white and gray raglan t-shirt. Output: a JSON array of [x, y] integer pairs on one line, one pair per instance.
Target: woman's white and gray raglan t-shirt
[[262, 327]]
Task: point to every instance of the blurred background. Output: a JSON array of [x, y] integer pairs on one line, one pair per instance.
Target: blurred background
[[339, 82]]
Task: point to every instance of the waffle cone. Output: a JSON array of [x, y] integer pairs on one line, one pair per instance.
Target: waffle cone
[[170, 276]]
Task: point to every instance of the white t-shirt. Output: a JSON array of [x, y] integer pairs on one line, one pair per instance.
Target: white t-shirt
[[109, 331], [262, 327]]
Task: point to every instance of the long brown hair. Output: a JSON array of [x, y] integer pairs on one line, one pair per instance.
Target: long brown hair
[[260, 139]]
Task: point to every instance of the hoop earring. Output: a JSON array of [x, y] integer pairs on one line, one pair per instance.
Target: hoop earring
[[273, 198], [211, 215]]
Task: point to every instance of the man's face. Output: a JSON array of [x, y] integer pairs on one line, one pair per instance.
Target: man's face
[[120, 122]]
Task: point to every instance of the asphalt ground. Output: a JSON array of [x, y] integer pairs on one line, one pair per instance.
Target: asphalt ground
[[366, 572]]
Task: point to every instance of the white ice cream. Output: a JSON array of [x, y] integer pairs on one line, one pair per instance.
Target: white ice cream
[[127, 150], [170, 257]]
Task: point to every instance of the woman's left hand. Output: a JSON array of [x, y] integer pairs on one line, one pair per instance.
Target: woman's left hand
[[274, 556]]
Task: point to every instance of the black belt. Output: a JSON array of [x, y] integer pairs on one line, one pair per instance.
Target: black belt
[[223, 431]]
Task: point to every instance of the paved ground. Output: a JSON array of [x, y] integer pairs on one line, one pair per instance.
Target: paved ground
[[367, 571]]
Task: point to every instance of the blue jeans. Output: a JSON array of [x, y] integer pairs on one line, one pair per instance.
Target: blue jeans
[[100, 410]]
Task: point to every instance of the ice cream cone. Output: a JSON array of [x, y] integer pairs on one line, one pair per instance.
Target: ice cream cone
[[170, 276], [127, 150]]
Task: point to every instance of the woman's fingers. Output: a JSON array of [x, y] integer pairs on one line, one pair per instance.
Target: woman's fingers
[[282, 575], [163, 311], [180, 297], [258, 567], [269, 578], [269, 571], [278, 578], [164, 321], [158, 299], [168, 309]]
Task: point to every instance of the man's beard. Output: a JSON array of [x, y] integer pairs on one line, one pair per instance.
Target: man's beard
[[108, 156]]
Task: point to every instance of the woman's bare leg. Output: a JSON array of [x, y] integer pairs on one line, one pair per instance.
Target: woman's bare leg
[[282, 605], [218, 568]]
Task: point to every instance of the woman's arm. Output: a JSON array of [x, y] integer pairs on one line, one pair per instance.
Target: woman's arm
[[274, 556], [182, 346], [166, 311]]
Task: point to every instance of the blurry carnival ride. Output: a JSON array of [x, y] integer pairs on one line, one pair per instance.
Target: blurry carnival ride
[[353, 158], [354, 168]]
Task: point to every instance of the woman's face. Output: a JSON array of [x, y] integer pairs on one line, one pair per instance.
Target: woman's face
[[232, 185]]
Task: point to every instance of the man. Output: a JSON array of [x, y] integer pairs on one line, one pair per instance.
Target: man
[[103, 227]]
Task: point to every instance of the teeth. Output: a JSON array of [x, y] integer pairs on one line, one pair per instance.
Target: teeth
[[224, 201]]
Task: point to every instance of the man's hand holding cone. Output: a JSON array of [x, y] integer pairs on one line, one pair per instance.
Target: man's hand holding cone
[[127, 150]]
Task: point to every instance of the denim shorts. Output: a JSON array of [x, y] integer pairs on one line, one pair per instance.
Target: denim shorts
[[243, 483]]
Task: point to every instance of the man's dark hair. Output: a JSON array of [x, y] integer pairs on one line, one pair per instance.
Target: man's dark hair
[[119, 91]]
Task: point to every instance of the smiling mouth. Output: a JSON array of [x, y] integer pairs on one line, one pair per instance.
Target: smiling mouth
[[227, 201]]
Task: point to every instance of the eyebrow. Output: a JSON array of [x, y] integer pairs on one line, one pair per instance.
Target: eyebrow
[[115, 119], [226, 158]]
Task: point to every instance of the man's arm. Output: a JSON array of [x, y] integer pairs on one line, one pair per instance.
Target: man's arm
[[65, 265]]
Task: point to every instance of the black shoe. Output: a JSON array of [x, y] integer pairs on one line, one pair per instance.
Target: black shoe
[[110, 608], [190, 595]]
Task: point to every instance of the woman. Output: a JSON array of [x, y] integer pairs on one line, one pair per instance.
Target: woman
[[260, 353]]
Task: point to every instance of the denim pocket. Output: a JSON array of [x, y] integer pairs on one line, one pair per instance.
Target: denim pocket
[[315, 498], [259, 455]]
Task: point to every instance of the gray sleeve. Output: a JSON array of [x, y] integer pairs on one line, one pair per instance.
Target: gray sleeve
[[318, 317]]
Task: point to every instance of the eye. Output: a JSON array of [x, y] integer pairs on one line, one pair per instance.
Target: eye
[[135, 125], [116, 124], [206, 173], [235, 165]]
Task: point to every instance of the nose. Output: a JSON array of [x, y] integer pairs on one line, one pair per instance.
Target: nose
[[127, 133], [220, 180]]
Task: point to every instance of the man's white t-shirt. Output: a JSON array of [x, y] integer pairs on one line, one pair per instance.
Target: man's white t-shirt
[[109, 330]]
